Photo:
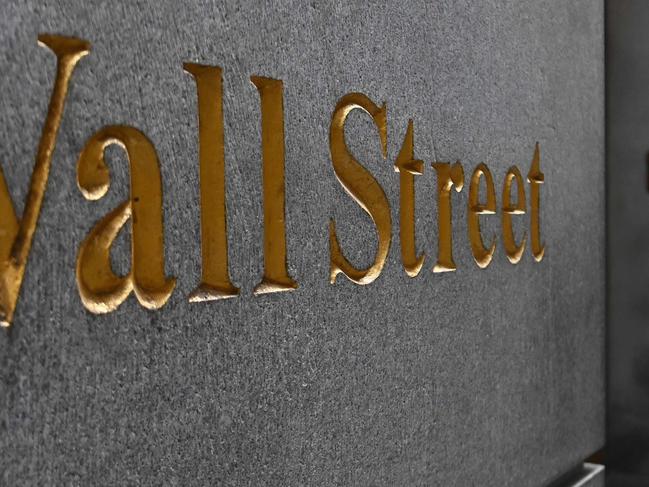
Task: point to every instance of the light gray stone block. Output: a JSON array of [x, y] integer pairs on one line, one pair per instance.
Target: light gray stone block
[[479, 377]]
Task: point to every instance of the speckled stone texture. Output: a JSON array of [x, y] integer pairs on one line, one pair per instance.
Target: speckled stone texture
[[480, 377]]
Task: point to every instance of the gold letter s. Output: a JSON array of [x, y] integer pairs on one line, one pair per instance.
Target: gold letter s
[[16, 237], [100, 289], [361, 186]]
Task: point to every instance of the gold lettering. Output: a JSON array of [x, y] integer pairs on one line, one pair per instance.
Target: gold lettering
[[100, 289], [514, 252], [481, 254], [447, 177], [276, 276], [408, 167], [215, 280], [361, 186], [536, 178], [16, 236]]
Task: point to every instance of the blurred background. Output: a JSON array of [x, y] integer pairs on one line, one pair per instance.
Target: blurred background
[[627, 64]]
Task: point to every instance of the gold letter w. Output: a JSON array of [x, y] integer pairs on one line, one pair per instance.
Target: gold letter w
[[16, 236]]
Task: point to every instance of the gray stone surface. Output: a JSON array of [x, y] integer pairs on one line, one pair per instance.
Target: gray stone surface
[[479, 377], [628, 237]]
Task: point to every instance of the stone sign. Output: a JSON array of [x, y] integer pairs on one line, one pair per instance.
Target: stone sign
[[301, 243]]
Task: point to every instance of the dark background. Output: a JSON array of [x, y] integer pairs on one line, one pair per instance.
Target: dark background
[[627, 70]]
